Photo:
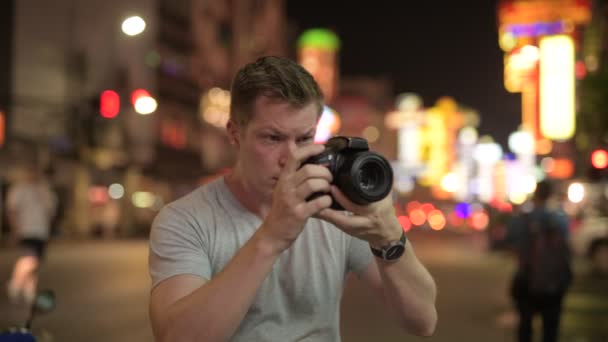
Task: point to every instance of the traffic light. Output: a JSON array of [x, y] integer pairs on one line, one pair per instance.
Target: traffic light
[[143, 102], [599, 165], [109, 104]]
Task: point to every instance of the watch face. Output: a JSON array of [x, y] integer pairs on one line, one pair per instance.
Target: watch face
[[394, 252]]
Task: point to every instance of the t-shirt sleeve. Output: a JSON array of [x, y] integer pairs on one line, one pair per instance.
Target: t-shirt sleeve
[[359, 255], [177, 246]]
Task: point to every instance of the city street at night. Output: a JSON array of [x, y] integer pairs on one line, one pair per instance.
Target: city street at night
[[102, 287], [212, 132]]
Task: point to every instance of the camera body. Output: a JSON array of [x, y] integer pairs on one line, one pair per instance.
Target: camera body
[[362, 175]]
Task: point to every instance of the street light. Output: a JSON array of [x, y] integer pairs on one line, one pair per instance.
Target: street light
[[133, 26], [487, 154]]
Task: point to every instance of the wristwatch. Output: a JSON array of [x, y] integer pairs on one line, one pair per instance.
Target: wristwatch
[[392, 251]]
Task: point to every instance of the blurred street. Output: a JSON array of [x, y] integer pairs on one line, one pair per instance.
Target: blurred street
[[102, 287], [110, 110]]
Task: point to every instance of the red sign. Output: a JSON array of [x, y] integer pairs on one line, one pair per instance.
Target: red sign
[[523, 12]]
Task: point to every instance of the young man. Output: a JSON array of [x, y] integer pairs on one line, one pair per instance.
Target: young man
[[248, 258], [544, 272]]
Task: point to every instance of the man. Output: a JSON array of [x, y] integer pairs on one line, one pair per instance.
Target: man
[[31, 205], [248, 258], [543, 275]]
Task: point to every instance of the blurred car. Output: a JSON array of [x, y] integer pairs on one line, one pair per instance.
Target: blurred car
[[592, 228]]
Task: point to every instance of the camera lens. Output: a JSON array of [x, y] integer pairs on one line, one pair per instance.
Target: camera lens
[[369, 176], [373, 177], [365, 177]]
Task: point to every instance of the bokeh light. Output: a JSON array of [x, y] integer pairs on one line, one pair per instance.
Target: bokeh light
[[417, 217]]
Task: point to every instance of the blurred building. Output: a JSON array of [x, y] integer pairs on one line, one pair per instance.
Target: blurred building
[[362, 103], [226, 35], [59, 58], [64, 55]]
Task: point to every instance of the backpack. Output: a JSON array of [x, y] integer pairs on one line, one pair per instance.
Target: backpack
[[545, 266]]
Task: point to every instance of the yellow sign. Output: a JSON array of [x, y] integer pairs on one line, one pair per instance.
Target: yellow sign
[[557, 121]]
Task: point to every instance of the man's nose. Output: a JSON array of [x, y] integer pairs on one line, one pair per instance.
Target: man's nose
[[282, 160], [286, 152]]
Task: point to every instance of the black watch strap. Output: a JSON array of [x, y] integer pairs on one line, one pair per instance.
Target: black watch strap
[[392, 251]]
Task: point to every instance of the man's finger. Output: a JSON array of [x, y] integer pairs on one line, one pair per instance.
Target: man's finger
[[311, 186], [309, 171], [343, 220], [344, 201], [313, 207], [298, 154]]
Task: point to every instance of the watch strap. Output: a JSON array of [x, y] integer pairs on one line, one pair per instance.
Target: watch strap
[[382, 253]]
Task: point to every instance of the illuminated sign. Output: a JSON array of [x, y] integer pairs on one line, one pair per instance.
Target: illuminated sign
[[520, 67], [536, 29], [328, 125], [317, 53], [557, 121], [535, 11]]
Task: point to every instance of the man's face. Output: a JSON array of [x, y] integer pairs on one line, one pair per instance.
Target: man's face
[[263, 145]]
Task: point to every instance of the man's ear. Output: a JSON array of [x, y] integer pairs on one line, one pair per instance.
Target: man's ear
[[232, 128]]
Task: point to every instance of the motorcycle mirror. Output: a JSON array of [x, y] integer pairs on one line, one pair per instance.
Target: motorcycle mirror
[[45, 301]]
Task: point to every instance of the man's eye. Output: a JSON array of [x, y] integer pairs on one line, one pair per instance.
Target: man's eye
[[273, 138], [305, 140]]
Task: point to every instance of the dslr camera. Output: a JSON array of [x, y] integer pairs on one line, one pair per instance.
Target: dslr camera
[[362, 175]]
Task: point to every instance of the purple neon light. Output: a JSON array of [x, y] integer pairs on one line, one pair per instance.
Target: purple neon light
[[536, 29]]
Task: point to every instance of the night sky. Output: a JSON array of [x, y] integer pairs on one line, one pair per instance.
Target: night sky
[[436, 48]]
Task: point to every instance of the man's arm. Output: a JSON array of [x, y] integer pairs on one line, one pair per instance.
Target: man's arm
[[407, 288], [404, 285], [186, 307], [12, 200]]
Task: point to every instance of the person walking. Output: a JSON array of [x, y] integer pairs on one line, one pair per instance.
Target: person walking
[[31, 206], [540, 238]]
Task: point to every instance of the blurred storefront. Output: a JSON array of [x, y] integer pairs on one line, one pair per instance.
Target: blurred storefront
[[71, 103]]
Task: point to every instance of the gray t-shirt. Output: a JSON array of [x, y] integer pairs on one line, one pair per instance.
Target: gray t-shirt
[[300, 298]]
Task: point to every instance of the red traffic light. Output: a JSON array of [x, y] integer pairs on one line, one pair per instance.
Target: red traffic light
[[599, 159], [137, 94], [109, 104]]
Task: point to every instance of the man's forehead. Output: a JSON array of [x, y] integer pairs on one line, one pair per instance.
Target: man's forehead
[[287, 131], [285, 127], [263, 103]]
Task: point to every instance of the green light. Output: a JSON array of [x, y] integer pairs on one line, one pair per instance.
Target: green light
[[319, 38]]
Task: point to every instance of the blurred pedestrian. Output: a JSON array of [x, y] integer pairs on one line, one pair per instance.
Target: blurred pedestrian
[[31, 206], [540, 238]]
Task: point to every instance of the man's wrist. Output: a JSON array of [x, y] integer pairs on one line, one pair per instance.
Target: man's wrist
[[393, 250], [390, 238], [392, 235], [266, 245]]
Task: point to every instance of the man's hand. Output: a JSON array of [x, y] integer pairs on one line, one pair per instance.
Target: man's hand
[[290, 210], [375, 223]]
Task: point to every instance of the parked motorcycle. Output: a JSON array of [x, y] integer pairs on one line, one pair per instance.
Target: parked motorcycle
[[44, 303]]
